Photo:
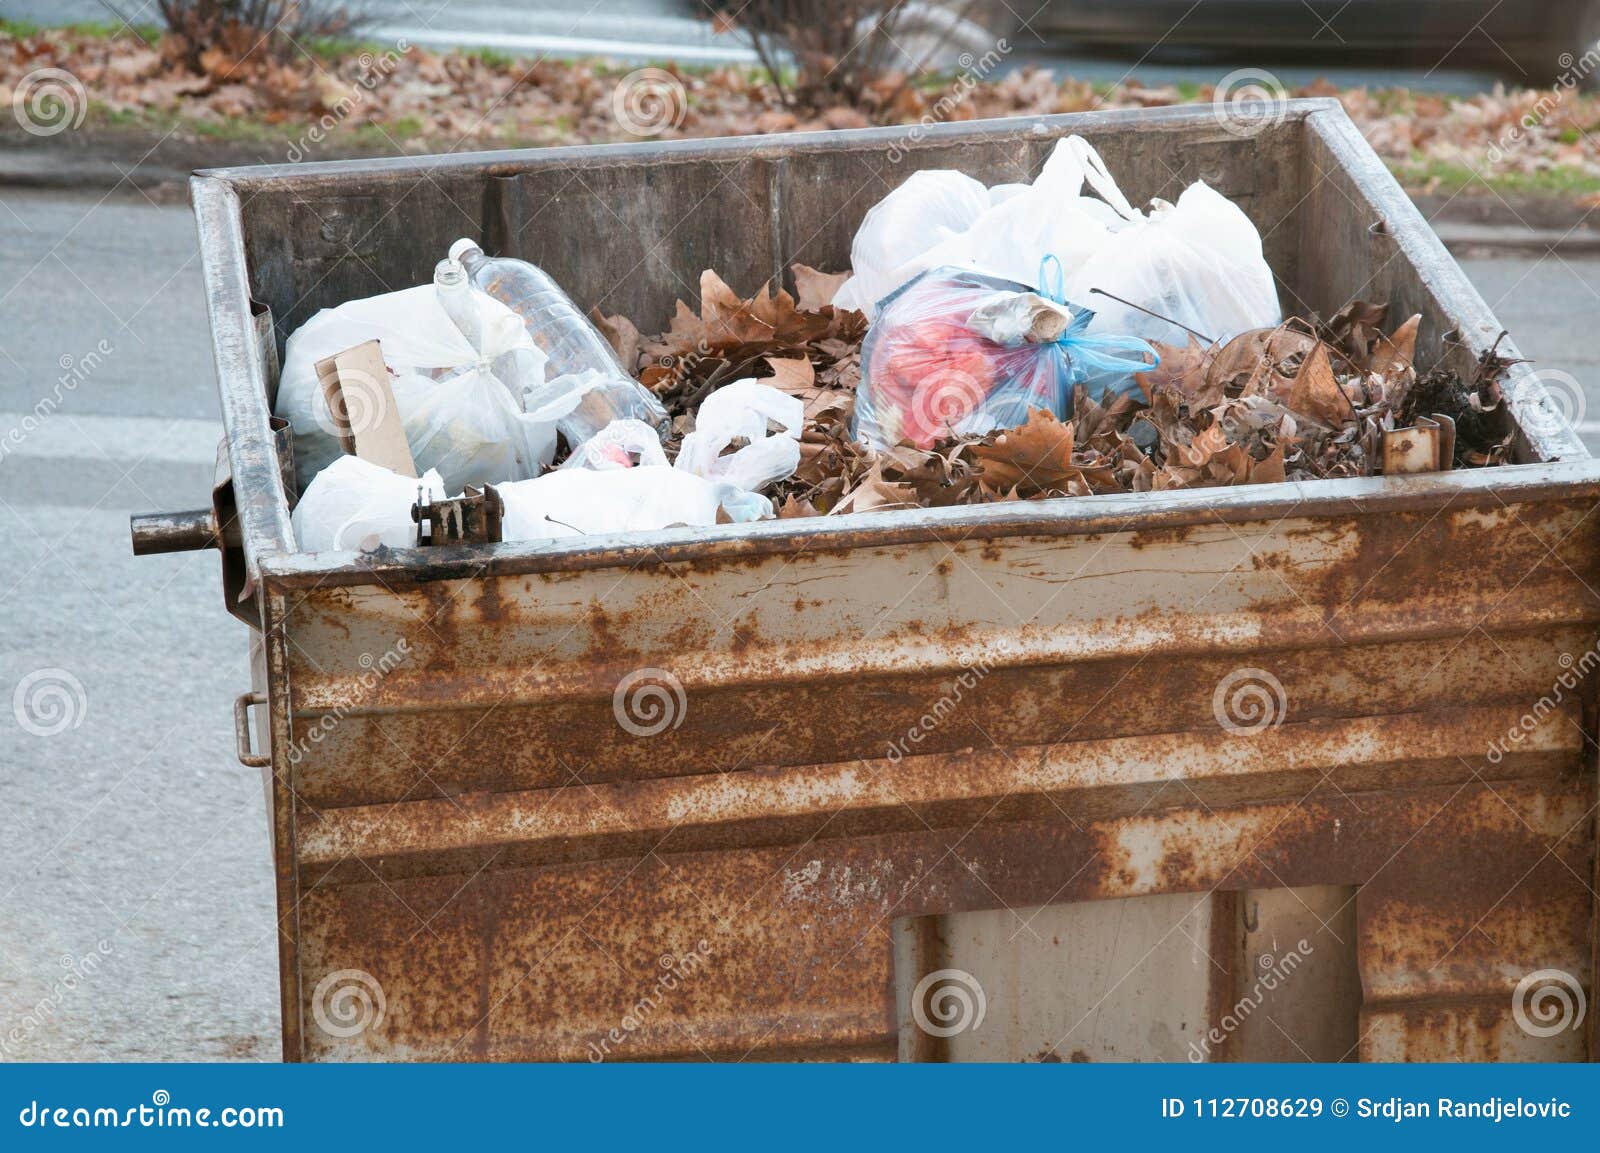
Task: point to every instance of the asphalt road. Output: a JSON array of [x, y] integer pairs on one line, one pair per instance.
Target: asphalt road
[[134, 859]]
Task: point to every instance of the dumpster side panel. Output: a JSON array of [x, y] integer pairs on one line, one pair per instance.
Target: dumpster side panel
[[791, 948]]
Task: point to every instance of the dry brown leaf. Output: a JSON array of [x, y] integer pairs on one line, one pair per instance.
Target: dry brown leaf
[[1269, 471], [876, 492], [1356, 327], [1181, 368], [793, 376], [1393, 356], [1316, 392], [1250, 361], [1038, 455], [794, 508], [621, 334], [816, 289], [1206, 444]]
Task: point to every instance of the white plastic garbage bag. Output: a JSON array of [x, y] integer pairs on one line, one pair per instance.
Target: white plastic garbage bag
[[1002, 232], [928, 207], [355, 504], [1198, 262], [593, 502], [743, 409], [461, 411]]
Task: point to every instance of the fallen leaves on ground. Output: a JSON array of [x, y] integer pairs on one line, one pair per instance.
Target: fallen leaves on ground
[[411, 99]]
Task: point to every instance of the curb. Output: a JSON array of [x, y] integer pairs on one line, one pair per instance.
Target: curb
[[1464, 238], [88, 173]]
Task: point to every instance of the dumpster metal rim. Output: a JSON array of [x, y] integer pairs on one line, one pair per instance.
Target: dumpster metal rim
[[1061, 516], [510, 161]]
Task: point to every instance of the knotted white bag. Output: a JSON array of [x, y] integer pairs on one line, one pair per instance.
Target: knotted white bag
[[461, 408], [355, 504], [944, 218], [1198, 262], [741, 410]]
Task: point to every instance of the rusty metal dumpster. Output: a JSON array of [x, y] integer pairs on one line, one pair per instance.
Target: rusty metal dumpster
[[1063, 780]]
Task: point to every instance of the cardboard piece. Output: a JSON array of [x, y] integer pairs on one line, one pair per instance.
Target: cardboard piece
[[355, 383]]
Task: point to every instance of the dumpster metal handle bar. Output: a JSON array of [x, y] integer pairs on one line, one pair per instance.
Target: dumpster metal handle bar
[[241, 730], [159, 532]]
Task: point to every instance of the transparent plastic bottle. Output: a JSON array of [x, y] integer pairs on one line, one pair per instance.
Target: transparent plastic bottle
[[455, 297], [567, 337]]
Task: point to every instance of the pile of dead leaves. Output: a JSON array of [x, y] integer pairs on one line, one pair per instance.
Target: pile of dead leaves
[[1307, 400]]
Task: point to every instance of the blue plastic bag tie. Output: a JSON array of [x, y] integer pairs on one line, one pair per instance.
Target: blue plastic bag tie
[[1052, 287]]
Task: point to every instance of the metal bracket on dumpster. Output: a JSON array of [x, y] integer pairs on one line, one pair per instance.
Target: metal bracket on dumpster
[[1428, 446], [241, 730], [471, 518]]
